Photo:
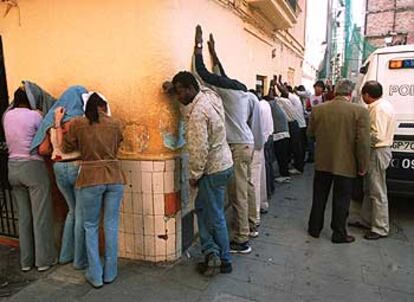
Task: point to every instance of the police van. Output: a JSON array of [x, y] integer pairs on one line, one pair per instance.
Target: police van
[[393, 67]]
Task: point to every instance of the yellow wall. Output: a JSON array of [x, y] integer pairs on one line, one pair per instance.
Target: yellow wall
[[126, 49]]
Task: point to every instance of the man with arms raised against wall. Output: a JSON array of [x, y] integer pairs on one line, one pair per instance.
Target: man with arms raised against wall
[[244, 134], [341, 131], [296, 120], [210, 165]]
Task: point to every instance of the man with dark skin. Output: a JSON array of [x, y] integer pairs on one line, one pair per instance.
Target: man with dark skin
[[244, 134], [210, 165]]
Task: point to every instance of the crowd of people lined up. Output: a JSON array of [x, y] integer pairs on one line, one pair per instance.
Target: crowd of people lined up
[[233, 134], [233, 137]]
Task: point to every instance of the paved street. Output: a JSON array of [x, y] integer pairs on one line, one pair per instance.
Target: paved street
[[285, 265]]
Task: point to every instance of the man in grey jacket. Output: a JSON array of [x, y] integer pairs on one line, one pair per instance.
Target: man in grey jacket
[[242, 122]]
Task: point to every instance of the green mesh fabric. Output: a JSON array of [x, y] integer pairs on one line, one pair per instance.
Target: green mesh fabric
[[355, 43], [344, 60]]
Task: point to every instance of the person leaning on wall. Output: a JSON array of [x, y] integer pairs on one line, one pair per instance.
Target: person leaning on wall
[[31, 188], [243, 133], [210, 168], [66, 170], [100, 182]]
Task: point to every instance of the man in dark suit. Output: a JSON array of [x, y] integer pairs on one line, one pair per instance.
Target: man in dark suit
[[341, 131]]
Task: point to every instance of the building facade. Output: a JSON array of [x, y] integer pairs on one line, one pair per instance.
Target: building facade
[[330, 68], [126, 50], [389, 18]]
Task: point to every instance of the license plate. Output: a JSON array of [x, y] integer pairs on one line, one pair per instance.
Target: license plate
[[401, 166], [402, 163], [403, 146]]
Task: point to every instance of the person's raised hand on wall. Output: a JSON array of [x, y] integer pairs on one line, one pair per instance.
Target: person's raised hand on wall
[[272, 92], [198, 45], [212, 49], [282, 89], [211, 45]]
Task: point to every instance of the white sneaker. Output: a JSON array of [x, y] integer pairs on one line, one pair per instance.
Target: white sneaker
[[26, 268], [254, 234], [46, 267], [295, 172], [43, 268], [282, 179]]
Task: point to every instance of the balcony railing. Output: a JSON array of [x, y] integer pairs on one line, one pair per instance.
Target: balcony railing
[[282, 13]]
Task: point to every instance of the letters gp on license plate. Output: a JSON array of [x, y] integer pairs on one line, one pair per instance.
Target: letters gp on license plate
[[403, 146]]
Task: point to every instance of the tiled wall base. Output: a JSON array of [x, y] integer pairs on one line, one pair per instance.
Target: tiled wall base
[[150, 220]]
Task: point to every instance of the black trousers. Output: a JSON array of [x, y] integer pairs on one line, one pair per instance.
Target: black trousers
[[311, 148], [268, 154], [281, 150], [304, 140], [296, 146], [342, 193], [358, 191]]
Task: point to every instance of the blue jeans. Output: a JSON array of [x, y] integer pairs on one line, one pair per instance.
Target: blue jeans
[[209, 206], [73, 240], [92, 199]]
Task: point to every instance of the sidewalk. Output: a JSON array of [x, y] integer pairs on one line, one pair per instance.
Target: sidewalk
[[285, 265]]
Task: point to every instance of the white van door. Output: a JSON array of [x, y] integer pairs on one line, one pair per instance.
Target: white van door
[[395, 71]]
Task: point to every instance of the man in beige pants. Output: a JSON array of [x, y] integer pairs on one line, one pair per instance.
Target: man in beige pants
[[243, 133], [374, 212], [258, 176]]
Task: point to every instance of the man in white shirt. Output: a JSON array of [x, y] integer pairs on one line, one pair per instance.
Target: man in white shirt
[[296, 119], [258, 168], [267, 175], [300, 113], [317, 98], [300, 118], [374, 213]]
